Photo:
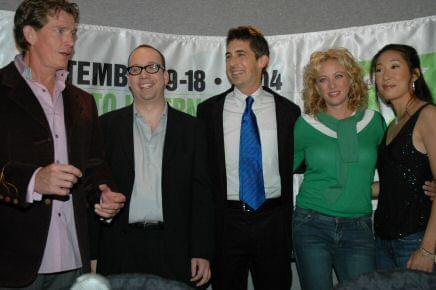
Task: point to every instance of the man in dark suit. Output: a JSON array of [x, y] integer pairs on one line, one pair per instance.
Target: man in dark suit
[[252, 188], [158, 158], [50, 154]]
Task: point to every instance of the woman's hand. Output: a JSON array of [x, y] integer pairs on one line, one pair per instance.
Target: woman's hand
[[420, 261]]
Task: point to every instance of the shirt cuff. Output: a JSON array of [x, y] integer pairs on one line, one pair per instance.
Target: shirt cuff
[[32, 195], [102, 219]]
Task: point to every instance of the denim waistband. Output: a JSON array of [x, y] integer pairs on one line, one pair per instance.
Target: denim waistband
[[310, 212]]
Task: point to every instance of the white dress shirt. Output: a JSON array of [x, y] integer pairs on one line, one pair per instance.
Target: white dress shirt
[[264, 109]]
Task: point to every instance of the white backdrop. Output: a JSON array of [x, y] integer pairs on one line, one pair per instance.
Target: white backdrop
[[197, 64]]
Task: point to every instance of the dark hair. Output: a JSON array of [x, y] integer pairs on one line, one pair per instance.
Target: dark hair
[[411, 57], [258, 43], [147, 46], [35, 12]]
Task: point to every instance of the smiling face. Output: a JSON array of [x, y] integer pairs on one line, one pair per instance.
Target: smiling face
[[147, 87], [52, 46], [333, 84], [393, 77], [243, 69]]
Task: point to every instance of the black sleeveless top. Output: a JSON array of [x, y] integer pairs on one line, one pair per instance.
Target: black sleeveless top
[[403, 208]]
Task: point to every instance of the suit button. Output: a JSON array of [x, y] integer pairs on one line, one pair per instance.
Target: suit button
[[47, 201]]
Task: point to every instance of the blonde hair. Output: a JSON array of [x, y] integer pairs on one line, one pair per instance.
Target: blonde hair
[[358, 95]]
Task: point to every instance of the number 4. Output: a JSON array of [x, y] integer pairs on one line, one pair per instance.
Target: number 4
[[276, 80]]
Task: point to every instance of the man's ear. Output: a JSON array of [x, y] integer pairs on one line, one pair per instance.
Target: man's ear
[[166, 77], [29, 34], [263, 61]]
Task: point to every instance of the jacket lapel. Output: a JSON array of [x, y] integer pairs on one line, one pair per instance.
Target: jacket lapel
[[219, 141], [23, 96], [125, 132], [73, 109], [281, 128], [172, 137]]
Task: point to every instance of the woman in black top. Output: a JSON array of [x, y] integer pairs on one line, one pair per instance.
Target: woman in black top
[[405, 219]]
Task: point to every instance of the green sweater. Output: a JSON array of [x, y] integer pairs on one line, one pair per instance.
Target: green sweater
[[317, 146]]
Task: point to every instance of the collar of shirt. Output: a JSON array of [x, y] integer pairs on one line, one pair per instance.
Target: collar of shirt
[[138, 115], [241, 97], [26, 72], [236, 100], [163, 117]]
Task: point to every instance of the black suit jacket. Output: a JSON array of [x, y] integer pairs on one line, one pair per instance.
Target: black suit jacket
[[26, 144], [186, 195], [211, 112]]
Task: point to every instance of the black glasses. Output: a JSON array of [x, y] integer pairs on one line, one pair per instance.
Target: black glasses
[[153, 68]]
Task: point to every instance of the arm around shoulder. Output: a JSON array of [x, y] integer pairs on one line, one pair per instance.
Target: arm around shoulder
[[424, 258]]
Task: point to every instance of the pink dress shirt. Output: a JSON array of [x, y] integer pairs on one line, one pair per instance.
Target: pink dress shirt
[[62, 249]]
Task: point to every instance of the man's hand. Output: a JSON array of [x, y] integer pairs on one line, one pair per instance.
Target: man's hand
[[200, 271], [110, 202], [56, 179], [430, 189]]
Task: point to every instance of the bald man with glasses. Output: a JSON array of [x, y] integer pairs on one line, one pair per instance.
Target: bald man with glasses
[[158, 159]]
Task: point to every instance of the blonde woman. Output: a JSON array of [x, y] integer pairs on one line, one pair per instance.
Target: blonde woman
[[337, 139]]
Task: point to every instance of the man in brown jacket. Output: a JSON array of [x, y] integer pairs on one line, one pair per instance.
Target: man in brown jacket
[[50, 154]]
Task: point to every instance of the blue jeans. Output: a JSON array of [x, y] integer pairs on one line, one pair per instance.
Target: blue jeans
[[55, 281], [395, 253], [322, 242]]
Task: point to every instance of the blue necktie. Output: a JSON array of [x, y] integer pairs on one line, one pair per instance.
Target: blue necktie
[[251, 186]]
